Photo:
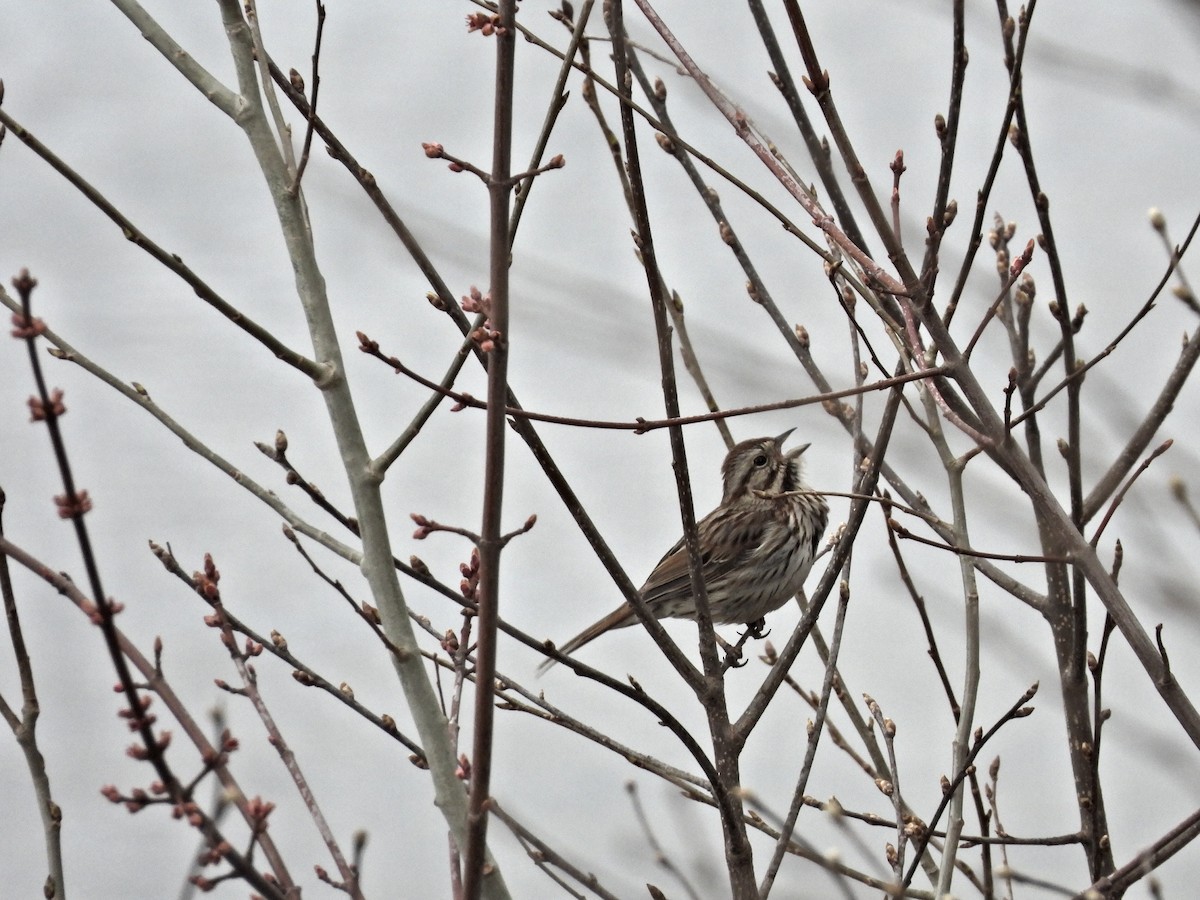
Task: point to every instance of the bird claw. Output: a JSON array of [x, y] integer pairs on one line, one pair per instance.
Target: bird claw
[[756, 630], [733, 654]]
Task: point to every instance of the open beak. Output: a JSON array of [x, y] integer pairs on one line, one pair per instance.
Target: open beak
[[794, 452]]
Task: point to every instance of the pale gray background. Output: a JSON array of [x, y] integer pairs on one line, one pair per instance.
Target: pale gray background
[[1114, 120]]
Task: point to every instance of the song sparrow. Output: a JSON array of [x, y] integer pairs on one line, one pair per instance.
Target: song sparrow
[[756, 546]]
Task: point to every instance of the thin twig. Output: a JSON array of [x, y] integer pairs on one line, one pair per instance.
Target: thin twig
[[316, 87], [903, 532], [558, 102], [642, 425], [171, 261], [1017, 711], [815, 730], [1116, 501], [250, 689], [660, 855], [277, 645], [155, 682], [1145, 862], [546, 855]]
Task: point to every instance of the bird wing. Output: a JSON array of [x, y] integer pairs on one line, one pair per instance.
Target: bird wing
[[726, 549], [730, 540]]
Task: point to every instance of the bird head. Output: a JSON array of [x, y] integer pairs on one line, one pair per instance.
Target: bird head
[[760, 464]]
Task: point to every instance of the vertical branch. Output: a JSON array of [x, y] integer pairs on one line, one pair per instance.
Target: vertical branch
[[1064, 537], [970, 691], [1068, 610], [818, 148], [268, 89], [316, 89], [363, 480], [710, 691], [24, 730], [818, 83], [657, 289], [947, 130], [73, 504], [557, 103], [816, 727], [1014, 59], [490, 544]]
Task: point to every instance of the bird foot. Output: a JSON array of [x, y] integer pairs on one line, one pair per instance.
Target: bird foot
[[733, 654], [756, 630]]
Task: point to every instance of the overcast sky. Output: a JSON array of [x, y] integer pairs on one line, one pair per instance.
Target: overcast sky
[[1115, 122]]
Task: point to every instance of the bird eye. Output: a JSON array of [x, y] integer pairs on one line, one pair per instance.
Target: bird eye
[[760, 460]]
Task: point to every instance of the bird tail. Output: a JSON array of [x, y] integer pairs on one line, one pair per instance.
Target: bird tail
[[618, 618]]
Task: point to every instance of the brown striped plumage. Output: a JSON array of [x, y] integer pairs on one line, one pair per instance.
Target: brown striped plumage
[[757, 546]]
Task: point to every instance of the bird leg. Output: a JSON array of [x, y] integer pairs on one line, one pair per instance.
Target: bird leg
[[733, 652]]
